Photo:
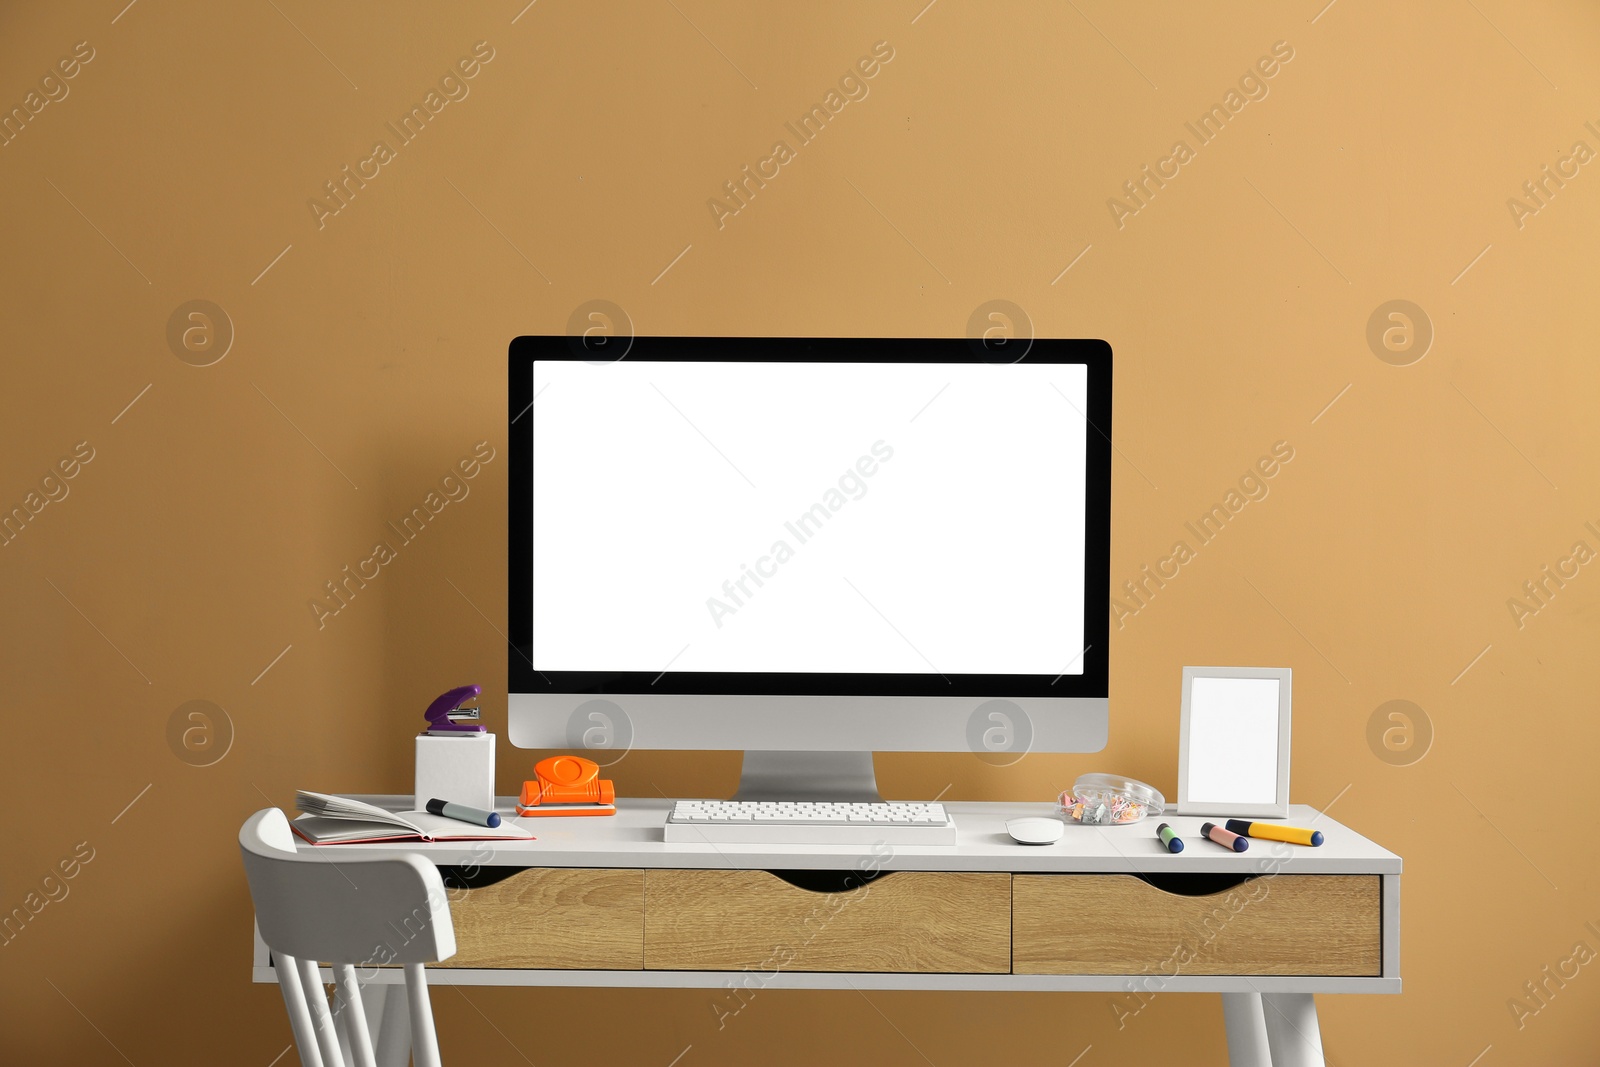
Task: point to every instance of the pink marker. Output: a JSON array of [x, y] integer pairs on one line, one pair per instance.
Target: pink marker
[[1224, 837]]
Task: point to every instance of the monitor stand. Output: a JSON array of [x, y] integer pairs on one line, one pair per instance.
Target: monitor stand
[[838, 776]]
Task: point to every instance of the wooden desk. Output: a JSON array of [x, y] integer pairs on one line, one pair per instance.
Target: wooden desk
[[607, 902]]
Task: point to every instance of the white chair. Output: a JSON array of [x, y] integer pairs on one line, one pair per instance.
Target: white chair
[[350, 912]]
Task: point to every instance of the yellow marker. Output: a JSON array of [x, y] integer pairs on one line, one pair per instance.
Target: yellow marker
[[1267, 831]]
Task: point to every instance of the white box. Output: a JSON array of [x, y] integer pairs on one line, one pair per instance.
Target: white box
[[457, 769]]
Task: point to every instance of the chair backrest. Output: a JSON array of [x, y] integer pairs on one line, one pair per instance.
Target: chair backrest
[[350, 910]]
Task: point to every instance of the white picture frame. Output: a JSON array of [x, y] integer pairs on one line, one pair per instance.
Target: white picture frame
[[1233, 742]]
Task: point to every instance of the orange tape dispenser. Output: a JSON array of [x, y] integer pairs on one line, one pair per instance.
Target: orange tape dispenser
[[567, 785]]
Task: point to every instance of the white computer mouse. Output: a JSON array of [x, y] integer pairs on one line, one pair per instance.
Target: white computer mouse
[[1035, 830]]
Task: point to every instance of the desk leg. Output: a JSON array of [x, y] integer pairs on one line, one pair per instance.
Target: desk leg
[[1292, 1030], [389, 1020], [373, 998], [1247, 1030]]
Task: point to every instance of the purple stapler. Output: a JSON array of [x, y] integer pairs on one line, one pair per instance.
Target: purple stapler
[[447, 718]]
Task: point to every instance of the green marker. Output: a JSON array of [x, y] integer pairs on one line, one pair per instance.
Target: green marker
[[1169, 838]]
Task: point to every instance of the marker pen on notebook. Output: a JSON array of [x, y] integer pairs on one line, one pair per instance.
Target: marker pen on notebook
[[1266, 831], [1169, 838], [476, 816], [1224, 837]]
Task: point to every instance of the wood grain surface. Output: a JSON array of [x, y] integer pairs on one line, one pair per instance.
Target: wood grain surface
[[1119, 924], [927, 921], [555, 917]]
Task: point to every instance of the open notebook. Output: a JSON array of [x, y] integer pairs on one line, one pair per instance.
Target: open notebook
[[333, 820]]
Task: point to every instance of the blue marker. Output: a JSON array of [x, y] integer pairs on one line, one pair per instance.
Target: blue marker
[[1293, 835], [1225, 838], [1169, 838], [476, 816]]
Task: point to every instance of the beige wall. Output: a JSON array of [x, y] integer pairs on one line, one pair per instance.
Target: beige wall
[[369, 358]]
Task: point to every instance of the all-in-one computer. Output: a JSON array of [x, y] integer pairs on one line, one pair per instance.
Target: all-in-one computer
[[809, 550]]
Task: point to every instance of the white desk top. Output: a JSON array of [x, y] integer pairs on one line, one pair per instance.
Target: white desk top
[[633, 838]]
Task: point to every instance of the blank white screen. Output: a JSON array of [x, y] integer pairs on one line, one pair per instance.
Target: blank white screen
[[1233, 740], [961, 552]]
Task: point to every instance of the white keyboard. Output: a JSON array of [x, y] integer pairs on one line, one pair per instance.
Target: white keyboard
[[782, 822]]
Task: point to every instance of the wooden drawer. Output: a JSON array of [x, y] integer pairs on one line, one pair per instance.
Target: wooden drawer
[[1119, 924], [905, 921], [552, 917]]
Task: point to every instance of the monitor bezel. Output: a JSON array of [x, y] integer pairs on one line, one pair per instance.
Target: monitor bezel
[[523, 677]]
